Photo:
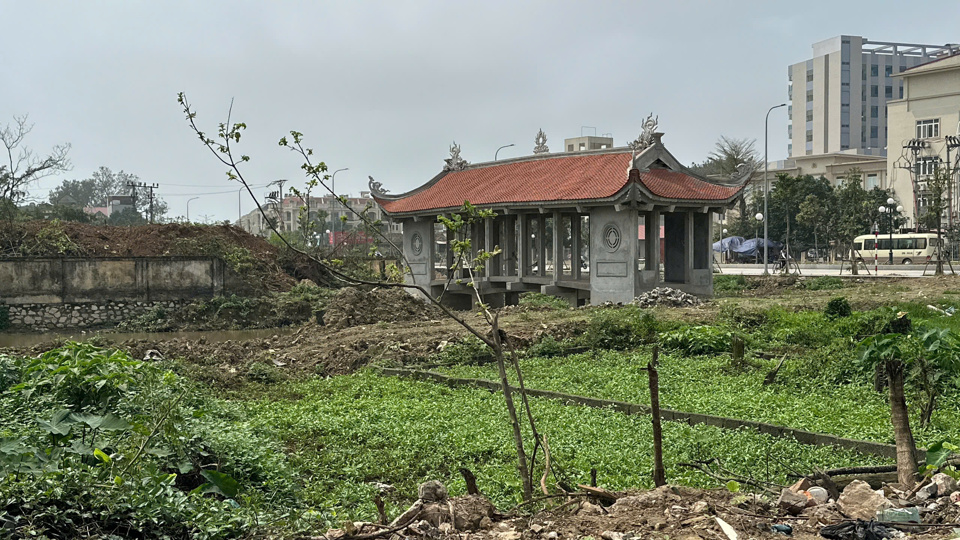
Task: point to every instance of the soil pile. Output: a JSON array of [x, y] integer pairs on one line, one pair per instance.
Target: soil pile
[[355, 307], [251, 256]]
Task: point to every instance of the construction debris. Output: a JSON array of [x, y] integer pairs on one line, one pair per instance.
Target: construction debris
[[665, 296]]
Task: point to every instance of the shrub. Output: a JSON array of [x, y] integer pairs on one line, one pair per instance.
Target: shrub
[[823, 283], [697, 340], [837, 307], [620, 328], [726, 283], [264, 373], [547, 347], [470, 351], [539, 300]]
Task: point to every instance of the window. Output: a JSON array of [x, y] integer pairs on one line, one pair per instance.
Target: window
[[928, 165], [928, 128], [869, 245], [874, 91], [887, 70], [583, 146], [874, 70], [901, 92], [872, 181], [874, 111], [810, 76], [809, 136], [888, 91], [809, 96], [809, 116], [569, 148], [873, 132]]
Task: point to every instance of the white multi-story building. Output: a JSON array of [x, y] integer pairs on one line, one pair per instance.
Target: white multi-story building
[[925, 135], [838, 98], [328, 214]]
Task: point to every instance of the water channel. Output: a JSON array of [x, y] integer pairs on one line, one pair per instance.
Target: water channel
[[213, 336]]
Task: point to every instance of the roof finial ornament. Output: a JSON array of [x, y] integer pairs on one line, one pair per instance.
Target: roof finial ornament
[[541, 141], [376, 187], [646, 138], [455, 162], [743, 170]]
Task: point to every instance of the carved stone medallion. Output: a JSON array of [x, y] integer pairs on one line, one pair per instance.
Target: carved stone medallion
[[611, 237], [416, 243]]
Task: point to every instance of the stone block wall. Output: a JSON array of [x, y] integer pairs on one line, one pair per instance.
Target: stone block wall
[[60, 316]]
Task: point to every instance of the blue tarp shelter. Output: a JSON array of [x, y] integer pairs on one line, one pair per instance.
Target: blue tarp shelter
[[754, 248], [730, 243]]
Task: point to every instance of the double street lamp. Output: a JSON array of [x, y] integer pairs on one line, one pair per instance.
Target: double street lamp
[[889, 211]]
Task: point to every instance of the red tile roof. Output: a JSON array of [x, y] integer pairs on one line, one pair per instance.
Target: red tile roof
[[677, 185], [560, 178]]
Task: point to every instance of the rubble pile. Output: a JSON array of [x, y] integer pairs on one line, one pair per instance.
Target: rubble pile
[[665, 296], [811, 508]]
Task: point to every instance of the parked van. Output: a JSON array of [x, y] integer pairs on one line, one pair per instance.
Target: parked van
[[908, 248]]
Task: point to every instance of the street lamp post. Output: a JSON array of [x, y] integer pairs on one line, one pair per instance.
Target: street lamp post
[[889, 210], [723, 250], [188, 209], [759, 218], [766, 184], [501, 148]]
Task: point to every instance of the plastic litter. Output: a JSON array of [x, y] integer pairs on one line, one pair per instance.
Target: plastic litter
[[782, 528], [900, 515], [857, 530]]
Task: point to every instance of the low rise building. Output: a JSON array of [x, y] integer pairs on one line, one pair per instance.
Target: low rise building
[[924, 131]]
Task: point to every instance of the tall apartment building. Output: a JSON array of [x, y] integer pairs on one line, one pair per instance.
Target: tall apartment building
[[838, 98]]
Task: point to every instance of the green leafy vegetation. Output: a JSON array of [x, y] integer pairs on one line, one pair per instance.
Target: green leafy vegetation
[[697, 340], [723, 283], [95, 444], [823, 283], [837, 307], [539, 300]]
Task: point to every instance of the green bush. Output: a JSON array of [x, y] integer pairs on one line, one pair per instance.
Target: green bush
[[620, 328], [697, 340], [539, 300], [264, 373], [823, 283], [469, 352], [547, 347], [727, 283], [837, 307]]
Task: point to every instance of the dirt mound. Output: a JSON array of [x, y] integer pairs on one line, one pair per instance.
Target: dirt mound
[[355, 307], [249, 255]]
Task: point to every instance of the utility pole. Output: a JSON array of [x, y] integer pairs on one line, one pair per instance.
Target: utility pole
[[133, 188]]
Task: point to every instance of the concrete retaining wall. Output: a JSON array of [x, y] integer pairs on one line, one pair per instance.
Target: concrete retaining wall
[[44, 293], [141, 279], [801, 436]]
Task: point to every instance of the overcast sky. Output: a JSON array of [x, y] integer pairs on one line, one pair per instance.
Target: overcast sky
[[384, 87]]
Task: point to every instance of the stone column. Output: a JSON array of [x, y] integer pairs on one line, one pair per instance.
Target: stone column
[[557, 246], [613, 255], [523, 255], [418, 248], [510, 249]]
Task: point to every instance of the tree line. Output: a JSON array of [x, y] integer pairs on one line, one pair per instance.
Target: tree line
[[67, 201]]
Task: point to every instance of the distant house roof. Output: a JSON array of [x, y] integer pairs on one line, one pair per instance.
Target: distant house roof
[[592, 177]]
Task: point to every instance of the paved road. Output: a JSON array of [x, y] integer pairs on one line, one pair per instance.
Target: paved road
[[828, 270]]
